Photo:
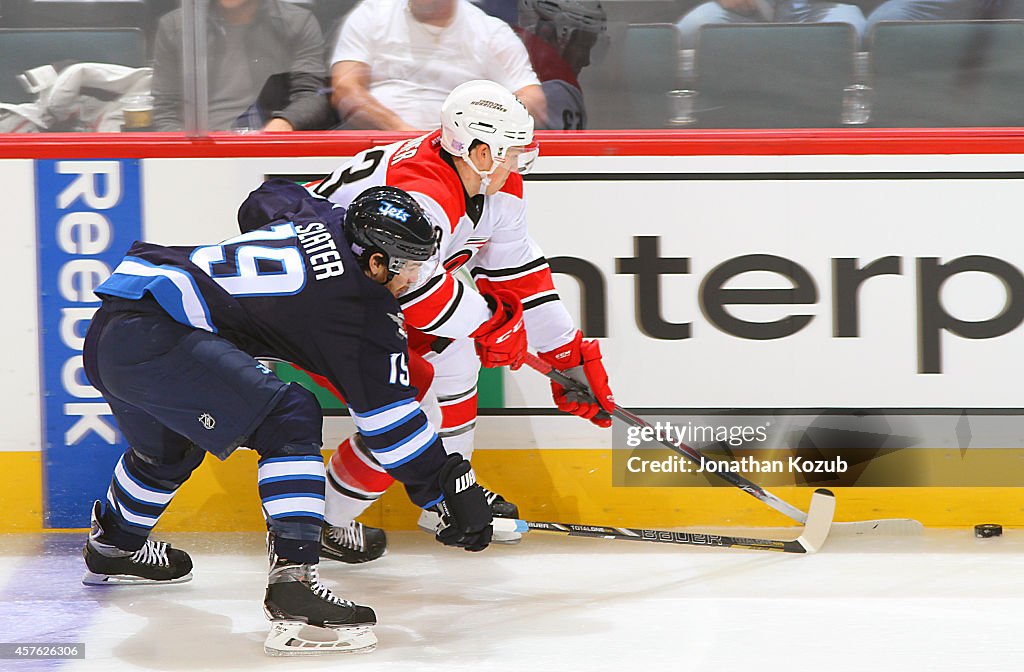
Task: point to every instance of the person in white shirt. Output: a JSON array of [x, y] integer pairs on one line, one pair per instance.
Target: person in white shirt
[[396, 61], [767, 11]]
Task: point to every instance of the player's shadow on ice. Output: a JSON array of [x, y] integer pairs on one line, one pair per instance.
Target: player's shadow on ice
[[179, 637], [483, 596]]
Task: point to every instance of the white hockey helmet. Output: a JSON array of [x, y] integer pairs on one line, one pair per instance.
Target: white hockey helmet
[[486, 111], [567, 16]]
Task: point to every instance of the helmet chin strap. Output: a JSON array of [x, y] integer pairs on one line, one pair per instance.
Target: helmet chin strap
[[485, 175]]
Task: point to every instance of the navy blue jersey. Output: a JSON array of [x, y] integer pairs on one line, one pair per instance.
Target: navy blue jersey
[[292, 290]]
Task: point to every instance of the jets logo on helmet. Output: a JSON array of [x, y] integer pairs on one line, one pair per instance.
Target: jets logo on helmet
[[484, 111], [389, 221], [393, 212]]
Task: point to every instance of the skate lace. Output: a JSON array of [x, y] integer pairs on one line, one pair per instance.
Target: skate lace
[[349, 536], [322, 591], [153, 553]]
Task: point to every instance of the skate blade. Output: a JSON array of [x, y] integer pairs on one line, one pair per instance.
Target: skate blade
[[92, 579], [328, 555], [295, 638]]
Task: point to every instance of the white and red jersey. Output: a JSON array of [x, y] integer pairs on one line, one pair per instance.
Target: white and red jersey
[[485, 234]]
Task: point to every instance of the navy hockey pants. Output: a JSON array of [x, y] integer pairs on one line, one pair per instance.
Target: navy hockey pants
[[178, 393]]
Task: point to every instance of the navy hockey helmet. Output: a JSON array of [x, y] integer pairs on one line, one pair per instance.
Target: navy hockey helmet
[[388, 220]]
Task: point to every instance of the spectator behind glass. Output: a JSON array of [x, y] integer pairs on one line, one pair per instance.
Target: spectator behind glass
[[766, 11], [945, 10], [559, 36], [397, 60], [266, 50]]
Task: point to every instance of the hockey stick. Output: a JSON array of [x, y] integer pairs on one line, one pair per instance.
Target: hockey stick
[[876, 527], [811, 539]]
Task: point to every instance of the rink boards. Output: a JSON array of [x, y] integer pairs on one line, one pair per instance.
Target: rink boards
[[751, 274], [549, 484]]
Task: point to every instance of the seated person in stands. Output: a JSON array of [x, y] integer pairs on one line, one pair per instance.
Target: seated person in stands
[[271, 47], [396, 61], [766, 11], [559, 36], [945, 10]]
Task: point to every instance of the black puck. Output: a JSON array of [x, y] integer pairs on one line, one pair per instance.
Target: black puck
[[988, 530]]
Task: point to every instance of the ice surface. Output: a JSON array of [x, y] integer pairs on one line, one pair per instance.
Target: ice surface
[[940, 601]]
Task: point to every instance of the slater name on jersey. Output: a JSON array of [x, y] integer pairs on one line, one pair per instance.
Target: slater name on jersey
[[323, 254]]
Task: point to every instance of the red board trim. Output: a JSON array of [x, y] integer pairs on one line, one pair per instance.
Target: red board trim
[[859, 141]]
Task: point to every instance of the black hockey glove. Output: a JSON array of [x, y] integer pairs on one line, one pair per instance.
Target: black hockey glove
[[464, 511]]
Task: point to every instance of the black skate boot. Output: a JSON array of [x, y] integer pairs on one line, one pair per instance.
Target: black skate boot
[[307, 618], [156, 562], [353, 543], [500, 508]]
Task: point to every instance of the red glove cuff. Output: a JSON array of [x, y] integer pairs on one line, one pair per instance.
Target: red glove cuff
[[587, 356], [568, 355]]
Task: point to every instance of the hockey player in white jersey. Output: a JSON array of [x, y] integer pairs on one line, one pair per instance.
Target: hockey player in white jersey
[[561, 38], [467, 177]]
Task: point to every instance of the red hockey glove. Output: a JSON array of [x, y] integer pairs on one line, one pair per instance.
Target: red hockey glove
[[581, 360], [501, 340]]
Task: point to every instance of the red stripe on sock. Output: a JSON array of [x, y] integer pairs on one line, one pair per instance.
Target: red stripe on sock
[[458, 413], [349, 469]]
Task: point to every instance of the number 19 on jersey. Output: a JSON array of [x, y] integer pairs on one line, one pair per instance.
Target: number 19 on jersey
[[399, 369]]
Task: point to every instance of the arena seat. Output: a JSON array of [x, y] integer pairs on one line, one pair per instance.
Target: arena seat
[[330, 14], [650, 69], [25, 48], [939, 73], [84, 13], [783, 75]]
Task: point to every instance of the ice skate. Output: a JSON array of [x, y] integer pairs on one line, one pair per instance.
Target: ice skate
[[156, 562], [308, 619], [353, 543], [500, 508]]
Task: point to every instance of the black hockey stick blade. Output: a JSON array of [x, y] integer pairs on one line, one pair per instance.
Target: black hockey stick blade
[[810, 540]]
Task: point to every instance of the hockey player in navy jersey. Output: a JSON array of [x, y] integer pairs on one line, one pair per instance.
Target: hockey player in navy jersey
[[467, 177], [173, 350]]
